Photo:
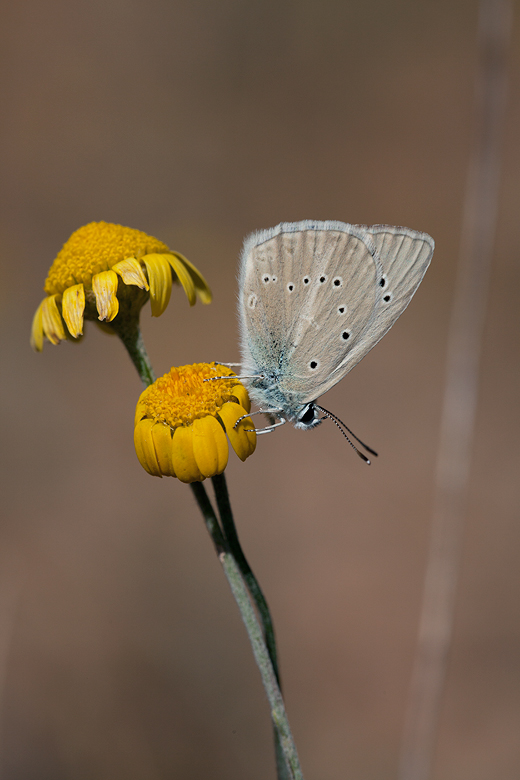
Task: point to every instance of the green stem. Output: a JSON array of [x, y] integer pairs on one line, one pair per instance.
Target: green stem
[[288, 765], [210, 518], [130, 334], [230, 531], [278, 714]]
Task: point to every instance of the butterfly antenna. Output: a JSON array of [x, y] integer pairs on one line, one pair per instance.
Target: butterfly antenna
[[342, 425], [336, 423]]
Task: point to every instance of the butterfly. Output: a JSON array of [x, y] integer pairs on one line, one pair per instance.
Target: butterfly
[[314, 298]]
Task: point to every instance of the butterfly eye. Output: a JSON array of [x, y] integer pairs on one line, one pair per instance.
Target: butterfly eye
[[308, 416], [266, 278], [337, 281], [345, 335], [313, 365]]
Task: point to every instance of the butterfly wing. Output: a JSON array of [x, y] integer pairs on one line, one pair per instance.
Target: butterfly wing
[[307, 291], [315, 297]]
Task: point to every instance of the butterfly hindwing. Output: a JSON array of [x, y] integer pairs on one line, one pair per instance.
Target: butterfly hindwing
[[404, 256]]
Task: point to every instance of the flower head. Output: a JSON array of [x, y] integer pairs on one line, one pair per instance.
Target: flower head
[[181, 423], [103, 268]]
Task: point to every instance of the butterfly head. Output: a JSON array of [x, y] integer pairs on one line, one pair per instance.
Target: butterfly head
[[265, 390]]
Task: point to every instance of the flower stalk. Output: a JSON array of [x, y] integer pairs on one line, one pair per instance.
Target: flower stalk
[[130, 334], [287, 762], [230, 531]]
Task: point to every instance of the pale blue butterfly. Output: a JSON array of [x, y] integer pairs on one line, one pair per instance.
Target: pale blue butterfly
[[314, 298]]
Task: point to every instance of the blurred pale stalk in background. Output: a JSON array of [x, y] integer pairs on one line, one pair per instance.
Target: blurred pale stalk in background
[[460, 393]]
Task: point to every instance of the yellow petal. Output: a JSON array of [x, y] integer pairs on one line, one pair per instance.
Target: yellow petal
[[73, 306], [162, 439], [51, 320], [37, 330], [184, 277], [210, 446], [183, 459], [141, 411], [144, 447], [160, 278], [242, 438], [240, 392], [200, 283], [131, 272], [104, 286]]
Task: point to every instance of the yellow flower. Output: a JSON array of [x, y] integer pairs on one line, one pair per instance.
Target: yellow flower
[[181, 423], [103, 267]]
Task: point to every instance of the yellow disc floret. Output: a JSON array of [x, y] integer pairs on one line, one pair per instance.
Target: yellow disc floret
[[97, 247], [182, 395]]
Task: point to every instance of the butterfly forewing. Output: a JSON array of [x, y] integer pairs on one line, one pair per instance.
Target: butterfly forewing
[[310, 292]]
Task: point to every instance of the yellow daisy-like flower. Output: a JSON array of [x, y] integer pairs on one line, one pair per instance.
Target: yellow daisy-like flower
[[181, 423], [104, 267]]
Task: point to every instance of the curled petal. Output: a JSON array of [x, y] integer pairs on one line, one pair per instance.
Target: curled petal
[[243, 437], [51, 320], [210, 446], [37, 330], [104, 286], [144, 447], [73, 306], [160, 278], [200, 283], [184, 277], [131, 272], [162, 439], [240, 393], [183, 459]]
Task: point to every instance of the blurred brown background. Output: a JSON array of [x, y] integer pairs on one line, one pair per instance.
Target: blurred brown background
[[121, 651]]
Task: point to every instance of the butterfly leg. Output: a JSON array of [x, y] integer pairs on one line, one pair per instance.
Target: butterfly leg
[[268, 428], [233, 376]]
